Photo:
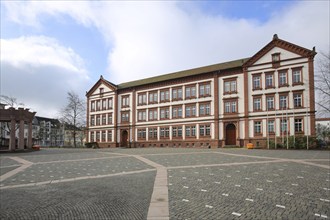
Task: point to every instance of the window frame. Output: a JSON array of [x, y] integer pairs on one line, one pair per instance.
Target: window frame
[[285, 72], [272, 86], [204, 86], [176, 91], [301, 125], [190, 96], [259, 122], [153, 94], [255, 87], [125, 101], [230, 101], [300, 76], [121, 117], [143, 100], [166, 92], [274, 102], [258, 97], [230, 81], [166, 109]]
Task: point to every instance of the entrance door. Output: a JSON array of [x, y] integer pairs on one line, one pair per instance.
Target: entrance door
[[230, 134], [124, 138]]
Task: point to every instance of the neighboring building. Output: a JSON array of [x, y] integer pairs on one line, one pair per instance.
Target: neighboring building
[[48, 131], [69, 135], [232, 103]]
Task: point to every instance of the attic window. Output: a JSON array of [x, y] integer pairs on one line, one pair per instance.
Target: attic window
[[276, 60], [101, 91], [275, 57]]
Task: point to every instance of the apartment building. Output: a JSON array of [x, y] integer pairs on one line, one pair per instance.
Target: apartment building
[[252, 100]]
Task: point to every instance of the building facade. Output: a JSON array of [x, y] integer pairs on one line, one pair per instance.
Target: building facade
[[266, 97]]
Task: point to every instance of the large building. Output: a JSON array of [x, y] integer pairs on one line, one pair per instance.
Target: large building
[[252, 100]]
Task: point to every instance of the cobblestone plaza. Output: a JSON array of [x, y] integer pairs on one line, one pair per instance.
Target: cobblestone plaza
[[165, 183]]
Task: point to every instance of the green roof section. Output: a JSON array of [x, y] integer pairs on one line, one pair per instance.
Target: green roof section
[[185, 73]]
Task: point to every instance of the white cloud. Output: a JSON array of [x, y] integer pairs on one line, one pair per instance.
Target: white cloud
[[39, 71], [152, 38]]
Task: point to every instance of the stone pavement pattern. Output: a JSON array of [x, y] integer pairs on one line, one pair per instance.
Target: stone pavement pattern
[[165, 183]]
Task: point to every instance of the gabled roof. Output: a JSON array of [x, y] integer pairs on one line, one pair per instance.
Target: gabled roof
[[184, 73], [52, 120], [99, 82], [277, 42]]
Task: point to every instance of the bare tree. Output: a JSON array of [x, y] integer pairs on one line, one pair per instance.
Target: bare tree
[[10, 101], [322, 83], [74, 113]]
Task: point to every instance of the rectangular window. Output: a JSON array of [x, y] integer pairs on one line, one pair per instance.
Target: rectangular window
[[257, 104], [204, 109], [92, 120], [257, 127], [98, 105], [230, 86], [204, 130], [141, 134], [296, 76], [152, 133], [177, 132], [98, 119], [92, 137], [284, 125], [204, 90], [92, 106], [125, 101], [153, 97], [275, 57], [142, 115], [177, 93], [110, 103], [103, 136], [165, 132], [142, 99], [164, 113], [104, 104], [269, 80], [283, 101], [104, 119], [125, 117], [271, 127], [190, 92], [109, 118], [270, 102], [97, 136], [177, 112], [230, 106], [190, 111], [153, 115], [282, 78], [109, 136], [297, 100], [257, 82], [164, 95], [298, 125]]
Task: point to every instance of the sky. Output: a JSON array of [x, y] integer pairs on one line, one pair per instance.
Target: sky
[[49, 48]]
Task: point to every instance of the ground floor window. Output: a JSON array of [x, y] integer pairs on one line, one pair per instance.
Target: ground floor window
[[190, 131], [152, 133], [141, 134], [257, 127], [177, 132], [165, 132], [298, 125], [204, 130]]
